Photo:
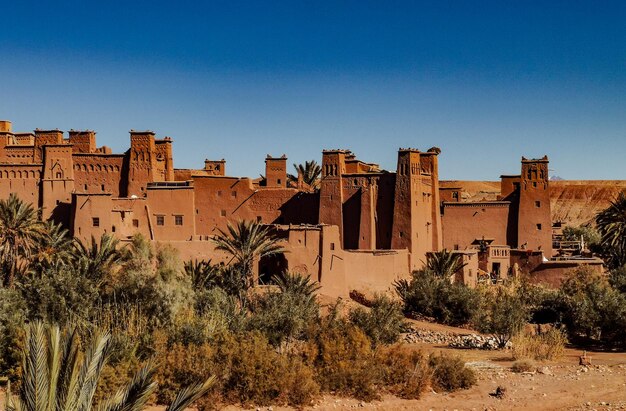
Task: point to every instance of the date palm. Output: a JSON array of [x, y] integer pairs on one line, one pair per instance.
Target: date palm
[[57, 376], [245, 241], [54, 247], [310, 172], [20, 230], [444, 264], [611, 224], [99, 258]]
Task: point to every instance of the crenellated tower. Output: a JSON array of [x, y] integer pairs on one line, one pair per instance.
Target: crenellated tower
[[142, 162], [331, 193], [534, 219]]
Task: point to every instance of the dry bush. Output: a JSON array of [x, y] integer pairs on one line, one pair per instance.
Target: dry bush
[[248, 370], [522, 366], [344, 361], [450, 373], [403, 372], [547, 346]]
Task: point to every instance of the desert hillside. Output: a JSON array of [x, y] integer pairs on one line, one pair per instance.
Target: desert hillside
[[573, 202]]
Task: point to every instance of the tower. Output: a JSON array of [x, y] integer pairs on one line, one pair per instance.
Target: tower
[[57, 183], [141, 163], [534, 219], [276, 171], [331, 193]]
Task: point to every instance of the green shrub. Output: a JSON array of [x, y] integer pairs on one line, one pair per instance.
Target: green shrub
[[591, 308], [432, 296], [382, 323], [282, 316], [12, 317], [503, 314], [450, 373]]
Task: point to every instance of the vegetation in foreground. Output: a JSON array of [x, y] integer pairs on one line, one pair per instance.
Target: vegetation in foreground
[[151, 326], [200, 320]]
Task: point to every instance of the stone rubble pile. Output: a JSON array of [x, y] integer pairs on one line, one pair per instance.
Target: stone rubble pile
[[429, 337], [468, 341]]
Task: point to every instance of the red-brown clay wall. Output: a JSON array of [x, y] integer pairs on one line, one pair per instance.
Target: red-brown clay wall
[[22, 180], [171, 212], [465, 222], [276, 172], [223, 199], [19, 155], [98, 173]]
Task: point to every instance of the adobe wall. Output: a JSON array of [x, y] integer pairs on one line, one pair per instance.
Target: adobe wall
[[171, 212], [553, 273], [219, 200], [465, 222], [99, 173], [21, 179], [19, 154]]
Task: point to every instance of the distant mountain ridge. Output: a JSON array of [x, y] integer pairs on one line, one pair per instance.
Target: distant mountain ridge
[[574, 202]]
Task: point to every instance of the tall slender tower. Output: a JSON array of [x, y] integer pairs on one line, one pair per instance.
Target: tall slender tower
[[331, 192], [142, 164], [534, 219]]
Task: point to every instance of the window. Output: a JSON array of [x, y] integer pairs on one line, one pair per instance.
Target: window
[[113, 229], [400, 234], [538, 204], [219, 193], [178, 219], [259, 219], [455, 195], [538, 226], [332, 246], [160, 220], [233, 194], [95, 221], [534, 184], [135, 223], [223, 213], [278, 181], [102, 186]]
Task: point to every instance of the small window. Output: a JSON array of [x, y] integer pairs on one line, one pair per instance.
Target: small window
[[455, 195], [538, 204], [332, 246], [59, 175], [400, 234], [233, 194], [135, 223], [102, 186], [534, 184], [223, 213], [95, 221], [219, 193], [85, 186], [538, 226], [160, 220], [259, 219], [178, 219], [278, 181], [113, 229]]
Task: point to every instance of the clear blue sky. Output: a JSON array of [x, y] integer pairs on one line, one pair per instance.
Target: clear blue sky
[[486, 81]]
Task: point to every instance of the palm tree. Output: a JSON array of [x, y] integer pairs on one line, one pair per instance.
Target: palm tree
[[202, 273], [611, 224], [99, 257], [54, 247], [246, 241], [57, 376], [444, 263], [310, 172], [20, 230], [297, 284]]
